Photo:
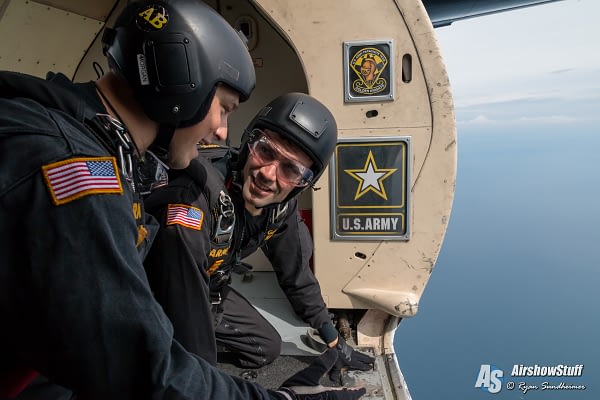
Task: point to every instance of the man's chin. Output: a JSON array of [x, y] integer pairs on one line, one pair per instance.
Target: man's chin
[[253, 207], [258, 201], [180, 163]]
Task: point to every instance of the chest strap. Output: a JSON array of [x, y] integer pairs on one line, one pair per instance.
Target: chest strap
[[220, 203]]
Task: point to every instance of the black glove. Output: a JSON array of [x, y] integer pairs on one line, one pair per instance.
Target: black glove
[[349, 358], [304, 385]]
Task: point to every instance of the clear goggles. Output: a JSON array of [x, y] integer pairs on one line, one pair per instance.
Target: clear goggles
[[288, 170]]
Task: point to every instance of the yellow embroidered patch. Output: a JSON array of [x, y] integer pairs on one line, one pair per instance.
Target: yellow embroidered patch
[[208, 146], [214, 267], [142, 235], [270, 233]]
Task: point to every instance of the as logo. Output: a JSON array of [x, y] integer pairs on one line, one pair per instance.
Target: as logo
[[489, 378]]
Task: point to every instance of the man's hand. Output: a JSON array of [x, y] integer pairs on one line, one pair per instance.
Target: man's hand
[[349, 358], [305, 384]]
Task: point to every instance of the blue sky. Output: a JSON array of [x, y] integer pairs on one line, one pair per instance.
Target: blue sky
[[517, 278], [538, 66]]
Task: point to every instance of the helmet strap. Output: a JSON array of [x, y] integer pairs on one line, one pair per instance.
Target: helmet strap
[[202, 111]]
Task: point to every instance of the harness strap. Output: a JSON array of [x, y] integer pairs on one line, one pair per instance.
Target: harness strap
[[220, 203]]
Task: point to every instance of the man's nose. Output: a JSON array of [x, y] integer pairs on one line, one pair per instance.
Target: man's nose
[[221, 133], [269, 171]]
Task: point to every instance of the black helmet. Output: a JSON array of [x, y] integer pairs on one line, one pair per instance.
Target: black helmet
[[174, 53], [304, 121]]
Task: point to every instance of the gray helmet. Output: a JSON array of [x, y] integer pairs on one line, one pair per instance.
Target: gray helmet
[[304, 121], [174, 53]]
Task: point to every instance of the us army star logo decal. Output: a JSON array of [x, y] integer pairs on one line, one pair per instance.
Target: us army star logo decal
[[370, 178]]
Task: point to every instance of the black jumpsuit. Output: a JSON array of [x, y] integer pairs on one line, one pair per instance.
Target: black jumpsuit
[[182, 257], [75, 303]]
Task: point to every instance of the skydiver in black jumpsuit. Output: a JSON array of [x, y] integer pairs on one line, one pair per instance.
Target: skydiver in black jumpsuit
[[190, 264], [75, 303]]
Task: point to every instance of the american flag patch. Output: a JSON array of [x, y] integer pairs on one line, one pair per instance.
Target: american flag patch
[[77, 177], [184, 215]]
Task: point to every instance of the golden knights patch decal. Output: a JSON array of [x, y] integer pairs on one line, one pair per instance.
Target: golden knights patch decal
[[368, 71]]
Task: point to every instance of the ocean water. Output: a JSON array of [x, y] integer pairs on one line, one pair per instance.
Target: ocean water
[[517, 281]]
